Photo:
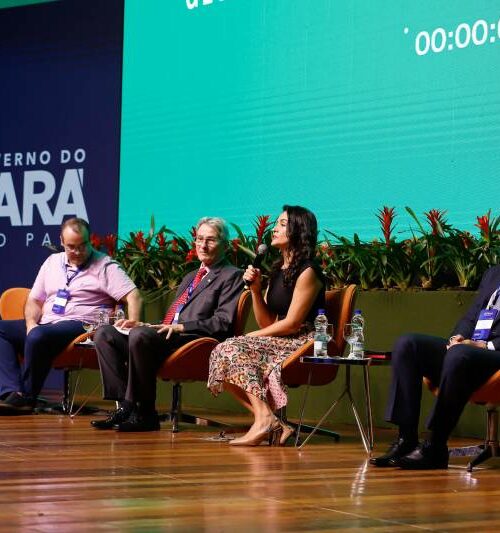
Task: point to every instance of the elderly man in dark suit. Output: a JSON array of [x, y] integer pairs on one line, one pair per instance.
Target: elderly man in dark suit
[[130, 356], [459, 365]]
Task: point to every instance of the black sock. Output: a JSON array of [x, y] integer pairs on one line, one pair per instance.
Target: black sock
[[409, 434], [438, 440]]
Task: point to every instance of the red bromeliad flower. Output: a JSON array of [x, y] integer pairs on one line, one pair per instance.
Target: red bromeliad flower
[[386, 216], [261, 225], [466, 238], [436, 220], [140, 241], [175, 245], [109, 241], [483, 223], [95, 240], [191, 255], [235, 243], [160, 240]]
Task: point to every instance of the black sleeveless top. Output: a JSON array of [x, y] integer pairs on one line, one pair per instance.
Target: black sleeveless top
[[279, 297]]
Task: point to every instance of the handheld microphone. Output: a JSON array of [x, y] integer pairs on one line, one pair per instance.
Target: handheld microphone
[[259, 257]]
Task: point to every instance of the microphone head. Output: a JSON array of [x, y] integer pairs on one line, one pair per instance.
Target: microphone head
[[259, 257], [262, 249]]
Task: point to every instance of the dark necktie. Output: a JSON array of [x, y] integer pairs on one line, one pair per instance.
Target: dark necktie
[[184, 297]]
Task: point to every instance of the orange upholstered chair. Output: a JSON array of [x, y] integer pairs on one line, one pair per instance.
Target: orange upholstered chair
[[190, 363], [12, 302], [488, 395], [339, 308], [74, 357]]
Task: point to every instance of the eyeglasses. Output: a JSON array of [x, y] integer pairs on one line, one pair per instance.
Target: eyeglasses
[[209, 241], [76, 247]]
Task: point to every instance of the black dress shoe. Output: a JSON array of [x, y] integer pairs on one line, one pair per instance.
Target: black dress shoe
[[426, 457], [139, 422], [115, 417], [17, 404], [398, 449]]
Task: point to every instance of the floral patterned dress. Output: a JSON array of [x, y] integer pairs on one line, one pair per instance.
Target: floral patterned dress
[[254, 363]]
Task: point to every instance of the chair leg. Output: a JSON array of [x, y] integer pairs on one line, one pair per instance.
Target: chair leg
[[175, 409], [305, 428], [65, 403], [489, 449], [176, 416], [491, 443]]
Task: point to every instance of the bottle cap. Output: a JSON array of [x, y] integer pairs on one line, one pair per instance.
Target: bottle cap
[[357, 311], [321, 311]]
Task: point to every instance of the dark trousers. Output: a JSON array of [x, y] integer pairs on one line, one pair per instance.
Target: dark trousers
[[39, 348], [129, 363], [458, 372]]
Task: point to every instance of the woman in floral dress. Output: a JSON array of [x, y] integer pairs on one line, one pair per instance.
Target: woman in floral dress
[[249, 366]]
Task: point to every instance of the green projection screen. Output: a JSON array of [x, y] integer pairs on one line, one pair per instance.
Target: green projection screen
[[234, 107]]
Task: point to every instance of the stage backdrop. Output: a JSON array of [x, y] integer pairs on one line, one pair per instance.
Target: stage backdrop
[[60, 106], [233, 107]]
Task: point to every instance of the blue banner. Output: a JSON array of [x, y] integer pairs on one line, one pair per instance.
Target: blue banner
[[60, 108]]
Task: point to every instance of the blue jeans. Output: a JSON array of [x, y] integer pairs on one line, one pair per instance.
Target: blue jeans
[[39, 348]]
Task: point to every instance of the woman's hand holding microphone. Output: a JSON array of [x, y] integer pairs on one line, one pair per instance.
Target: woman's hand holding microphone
[[253, 279]]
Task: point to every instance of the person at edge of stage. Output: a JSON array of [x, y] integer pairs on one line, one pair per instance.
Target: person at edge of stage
[[458, 366], [69, 289]]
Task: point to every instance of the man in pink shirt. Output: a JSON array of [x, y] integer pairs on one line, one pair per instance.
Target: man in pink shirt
[[70, 288]]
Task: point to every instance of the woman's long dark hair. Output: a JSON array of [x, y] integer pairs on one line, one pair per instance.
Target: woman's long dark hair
[[302, 233]]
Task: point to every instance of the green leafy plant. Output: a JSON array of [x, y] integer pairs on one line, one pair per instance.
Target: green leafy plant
[[156, 261], [435, 256]]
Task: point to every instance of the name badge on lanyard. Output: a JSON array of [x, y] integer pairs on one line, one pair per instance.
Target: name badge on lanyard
[[175, 320], [484, 324], [63, 295], [60, 301]]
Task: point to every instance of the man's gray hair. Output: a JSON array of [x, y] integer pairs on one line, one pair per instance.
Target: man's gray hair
[[219, 224]]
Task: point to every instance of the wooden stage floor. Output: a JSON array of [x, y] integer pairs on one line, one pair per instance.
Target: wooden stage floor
[[60, 475]]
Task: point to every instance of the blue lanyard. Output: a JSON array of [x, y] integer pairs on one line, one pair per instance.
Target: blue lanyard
[[72, 275], [191, 285]]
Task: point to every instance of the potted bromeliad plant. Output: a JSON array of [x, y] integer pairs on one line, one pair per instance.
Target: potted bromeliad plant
[[435, 255]]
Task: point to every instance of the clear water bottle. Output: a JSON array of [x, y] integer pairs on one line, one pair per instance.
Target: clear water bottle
[[321, 337], [358, 323], [120, 313], [103, 316]]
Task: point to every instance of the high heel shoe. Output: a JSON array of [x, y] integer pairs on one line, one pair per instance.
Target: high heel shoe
[[272, 433], [286, 432]]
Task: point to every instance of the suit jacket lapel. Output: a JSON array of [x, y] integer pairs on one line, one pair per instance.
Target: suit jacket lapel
[[207, 280]]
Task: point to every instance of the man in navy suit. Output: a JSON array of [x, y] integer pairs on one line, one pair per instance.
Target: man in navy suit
[[458, 365], [205, 305]]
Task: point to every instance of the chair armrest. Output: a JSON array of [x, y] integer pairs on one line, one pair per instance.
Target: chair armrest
[[75, 357]]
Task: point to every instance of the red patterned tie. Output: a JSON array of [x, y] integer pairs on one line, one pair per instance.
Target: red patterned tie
[[184, 297]]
